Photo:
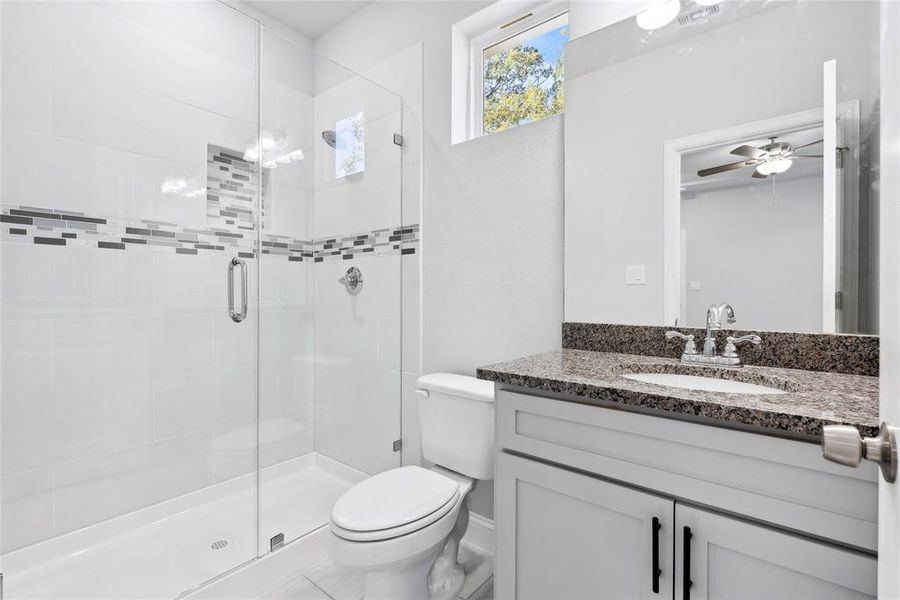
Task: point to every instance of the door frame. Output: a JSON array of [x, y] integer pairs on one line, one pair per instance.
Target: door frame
[[847, 114]]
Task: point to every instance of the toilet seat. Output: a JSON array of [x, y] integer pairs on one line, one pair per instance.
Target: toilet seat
[[394, 503]]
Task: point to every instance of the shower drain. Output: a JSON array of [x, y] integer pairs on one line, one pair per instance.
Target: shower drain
[[219, 544]]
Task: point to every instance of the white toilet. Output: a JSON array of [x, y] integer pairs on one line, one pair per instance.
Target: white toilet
[[402, 528]]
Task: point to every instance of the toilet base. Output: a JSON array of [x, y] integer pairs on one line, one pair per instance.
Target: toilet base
[[447, 577], [407, 583]]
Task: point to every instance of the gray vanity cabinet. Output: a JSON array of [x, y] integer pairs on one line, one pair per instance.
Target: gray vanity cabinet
[[727, 558], [578, 489], [570, 536]]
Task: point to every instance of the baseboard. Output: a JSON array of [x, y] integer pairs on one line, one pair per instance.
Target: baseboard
[[480, 533], [257, 577]]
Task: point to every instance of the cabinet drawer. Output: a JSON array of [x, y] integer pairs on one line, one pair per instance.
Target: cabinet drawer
[[783, 482]]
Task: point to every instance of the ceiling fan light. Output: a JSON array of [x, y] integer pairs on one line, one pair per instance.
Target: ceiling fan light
[[774, 166], [658, 15]]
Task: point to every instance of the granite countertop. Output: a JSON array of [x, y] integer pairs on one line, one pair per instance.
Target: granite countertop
[[812, 400]]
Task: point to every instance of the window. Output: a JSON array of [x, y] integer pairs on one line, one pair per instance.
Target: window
[[518, 69]]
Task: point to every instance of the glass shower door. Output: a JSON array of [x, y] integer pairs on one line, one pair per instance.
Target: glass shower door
[[330, 315], [129, 427]]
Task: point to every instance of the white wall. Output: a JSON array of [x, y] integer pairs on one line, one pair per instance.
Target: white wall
[[492, 209], [734, 235], [614, 209]]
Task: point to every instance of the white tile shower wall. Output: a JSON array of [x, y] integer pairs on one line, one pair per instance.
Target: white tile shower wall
[[122, 374], [483, 303]]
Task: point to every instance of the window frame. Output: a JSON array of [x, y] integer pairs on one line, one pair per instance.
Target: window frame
[[510, 28]]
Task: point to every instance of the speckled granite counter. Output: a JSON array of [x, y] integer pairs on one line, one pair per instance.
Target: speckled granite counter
[[812, 399]]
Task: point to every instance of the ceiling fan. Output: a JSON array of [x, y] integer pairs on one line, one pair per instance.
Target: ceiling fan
[[771, 159]]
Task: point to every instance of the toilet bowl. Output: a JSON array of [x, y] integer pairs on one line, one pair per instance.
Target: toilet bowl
[[402, 528]]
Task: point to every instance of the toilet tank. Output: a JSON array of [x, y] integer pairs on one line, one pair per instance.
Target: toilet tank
[[456, 423]]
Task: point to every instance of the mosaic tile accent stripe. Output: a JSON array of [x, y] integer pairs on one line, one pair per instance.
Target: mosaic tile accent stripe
[[34, 225], [230, 187]]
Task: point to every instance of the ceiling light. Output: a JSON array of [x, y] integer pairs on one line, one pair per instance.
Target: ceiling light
[[774, 166], [660, 14]]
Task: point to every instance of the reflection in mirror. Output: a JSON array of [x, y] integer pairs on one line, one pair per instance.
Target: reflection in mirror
[[726, 157]]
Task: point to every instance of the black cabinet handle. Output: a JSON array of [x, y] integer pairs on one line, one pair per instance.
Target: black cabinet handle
[[655, 542], [686, 577]]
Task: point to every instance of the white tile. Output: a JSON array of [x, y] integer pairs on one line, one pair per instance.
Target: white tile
[[197, 401], [234, 450], [27, 365], [299, 588], [336, 581], [101, 351], [202, 79], [181, 344], [53, 281], [72, 423], [106, 485], [27, 508], [479, 568], [25, 90], [189, 284]]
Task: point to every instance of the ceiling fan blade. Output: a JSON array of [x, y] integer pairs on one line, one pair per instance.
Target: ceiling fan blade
[[805, 156], [749, 151], [758, 175], [809, 144], [723, 168]]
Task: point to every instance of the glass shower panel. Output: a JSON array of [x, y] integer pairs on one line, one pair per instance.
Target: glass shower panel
[[128, 391], [329, 285]]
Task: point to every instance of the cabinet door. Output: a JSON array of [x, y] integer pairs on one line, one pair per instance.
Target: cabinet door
[[722, 558], [562, 535]]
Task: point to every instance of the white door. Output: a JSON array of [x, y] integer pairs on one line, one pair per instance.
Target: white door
[[723, 558], [889, 300], [570, 536]]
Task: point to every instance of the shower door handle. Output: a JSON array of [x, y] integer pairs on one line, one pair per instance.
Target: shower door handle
[[237, 316]]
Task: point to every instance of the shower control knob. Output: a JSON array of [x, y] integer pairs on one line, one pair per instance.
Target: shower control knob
[[352, 281], [844, 445]]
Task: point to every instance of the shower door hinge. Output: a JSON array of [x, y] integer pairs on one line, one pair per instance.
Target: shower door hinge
[[839, 156], [275, 543], [398, 445], [838, 301], [398, 139]]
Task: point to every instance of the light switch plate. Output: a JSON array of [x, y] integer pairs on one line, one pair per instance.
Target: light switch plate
[[634, 275], [694, 286]]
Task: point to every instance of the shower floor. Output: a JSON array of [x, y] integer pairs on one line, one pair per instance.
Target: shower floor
[[163, 550]]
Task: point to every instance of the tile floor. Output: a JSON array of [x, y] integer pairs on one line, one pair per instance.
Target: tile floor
[[327, 581]]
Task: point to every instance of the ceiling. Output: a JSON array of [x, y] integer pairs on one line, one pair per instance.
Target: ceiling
[[719, 155], [312, 18]]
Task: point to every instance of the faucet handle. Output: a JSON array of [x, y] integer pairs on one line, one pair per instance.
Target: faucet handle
[[689, 346], [731, 344]]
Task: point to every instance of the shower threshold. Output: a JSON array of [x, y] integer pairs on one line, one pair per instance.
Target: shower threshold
[[162, 550]]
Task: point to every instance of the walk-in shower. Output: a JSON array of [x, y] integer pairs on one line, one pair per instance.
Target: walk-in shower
[[186, 384]]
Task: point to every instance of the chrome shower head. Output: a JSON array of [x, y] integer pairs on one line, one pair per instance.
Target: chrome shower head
[[329, 137]]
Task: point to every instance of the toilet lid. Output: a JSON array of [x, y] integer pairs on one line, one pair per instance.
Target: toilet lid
[[392, 499]]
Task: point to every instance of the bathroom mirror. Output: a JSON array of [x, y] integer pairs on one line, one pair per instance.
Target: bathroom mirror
[[725, 156]]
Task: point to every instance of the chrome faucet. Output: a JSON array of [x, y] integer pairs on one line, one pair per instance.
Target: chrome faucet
[[716, 316]]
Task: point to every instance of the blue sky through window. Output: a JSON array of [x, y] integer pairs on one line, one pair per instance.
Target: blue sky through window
[[552, 43]]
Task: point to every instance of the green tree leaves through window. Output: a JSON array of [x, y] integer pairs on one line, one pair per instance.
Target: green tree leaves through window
[[525, 83]]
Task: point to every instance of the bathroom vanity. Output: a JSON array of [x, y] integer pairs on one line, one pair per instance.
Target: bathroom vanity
[[609, 487]]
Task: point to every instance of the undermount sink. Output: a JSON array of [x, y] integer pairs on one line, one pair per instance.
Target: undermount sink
[[705, 384]]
